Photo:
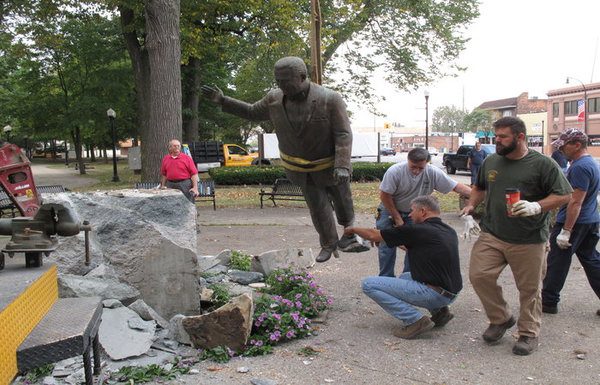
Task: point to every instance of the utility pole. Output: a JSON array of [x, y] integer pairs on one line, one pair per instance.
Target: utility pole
[[315, 42]]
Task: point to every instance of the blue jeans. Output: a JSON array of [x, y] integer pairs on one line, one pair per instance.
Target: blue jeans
[[387, 254], [584, 238], [397, 295], [474, 173]]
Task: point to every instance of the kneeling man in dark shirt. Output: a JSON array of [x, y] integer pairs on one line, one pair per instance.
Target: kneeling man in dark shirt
[[434, 280]]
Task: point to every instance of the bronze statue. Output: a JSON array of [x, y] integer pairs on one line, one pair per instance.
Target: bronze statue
[[315, 142]]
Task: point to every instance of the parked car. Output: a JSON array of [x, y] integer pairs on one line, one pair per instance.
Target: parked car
[[458, 161], [387, 151], [433, 151]]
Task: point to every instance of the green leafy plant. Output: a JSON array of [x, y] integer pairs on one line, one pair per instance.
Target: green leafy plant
[[240, 261], [141, 374], [220, 295], [219, 354], [37, 374]]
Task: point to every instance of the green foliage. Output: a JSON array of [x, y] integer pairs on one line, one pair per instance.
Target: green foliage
[[37, 374], [478, 120], [220, 354], [361, 172], [369, 171], [246, 175], [220, 295], [448, 119], [153, 372], [240, 261]]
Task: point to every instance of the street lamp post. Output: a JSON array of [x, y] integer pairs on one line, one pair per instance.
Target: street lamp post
[[7, 129], [426, 93], [585, 103], [111, 116]]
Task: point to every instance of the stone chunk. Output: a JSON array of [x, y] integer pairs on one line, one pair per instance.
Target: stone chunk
[[229, 325], [148, 314], [118, 339], [77, 286], [177, 331], [245, 277], [285, 258]]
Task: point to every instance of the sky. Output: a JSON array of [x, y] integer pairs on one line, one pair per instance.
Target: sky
[[516, 46]]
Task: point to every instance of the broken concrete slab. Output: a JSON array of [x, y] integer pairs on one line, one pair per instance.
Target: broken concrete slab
[[118, 339], [230, 325], [70, 285], [148, 314], [111, 303], [285, 258], [152, 357], [102, 271], [147, 237]]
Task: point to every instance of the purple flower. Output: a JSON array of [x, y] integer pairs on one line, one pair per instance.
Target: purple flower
[[275, 336], [258, 343], [299, 304], [295, 316], [291, 334], [298, 296], [277, 316], [312, 284], [279, 278], [319, 291]]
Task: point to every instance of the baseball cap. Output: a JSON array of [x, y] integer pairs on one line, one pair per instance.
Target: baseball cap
[[570, 135]]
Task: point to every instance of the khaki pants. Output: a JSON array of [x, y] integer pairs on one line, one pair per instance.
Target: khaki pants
[[489, 257]]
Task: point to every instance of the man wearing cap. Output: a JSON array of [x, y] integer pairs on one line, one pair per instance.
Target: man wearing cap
[[576, 228], [514, 237], [315, 144]]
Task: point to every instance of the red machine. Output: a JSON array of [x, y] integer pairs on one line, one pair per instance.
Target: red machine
[[17, 181]]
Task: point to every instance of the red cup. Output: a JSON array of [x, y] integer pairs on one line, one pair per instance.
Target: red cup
[[513, 195]]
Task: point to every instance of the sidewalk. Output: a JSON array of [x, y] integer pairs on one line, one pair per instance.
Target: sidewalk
[[356, 344]]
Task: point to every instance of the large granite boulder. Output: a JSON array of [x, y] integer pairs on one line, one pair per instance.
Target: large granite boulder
[[148, 238]]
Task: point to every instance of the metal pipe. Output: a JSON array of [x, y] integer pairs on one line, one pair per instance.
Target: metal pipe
[[86, 232]]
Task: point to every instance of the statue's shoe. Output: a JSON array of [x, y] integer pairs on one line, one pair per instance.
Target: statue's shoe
[[325, 254], [352, 244]]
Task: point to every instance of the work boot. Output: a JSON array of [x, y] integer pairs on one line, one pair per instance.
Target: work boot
[[550, 309], [411, 331], [352, 244], [442, 317], [494, 332], [325, 254], [525, 345]]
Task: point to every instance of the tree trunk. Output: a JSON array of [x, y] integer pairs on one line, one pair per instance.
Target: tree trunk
[[141, 71], [93, 152], [164, 56], [105, 155], [191, 89], [76, 135]]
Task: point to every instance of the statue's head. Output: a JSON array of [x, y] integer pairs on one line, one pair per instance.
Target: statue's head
[[290, 75]]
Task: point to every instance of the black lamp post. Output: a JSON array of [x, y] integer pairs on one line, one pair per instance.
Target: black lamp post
[[585, 103], [111, 116], [426, 93], [7, 129]]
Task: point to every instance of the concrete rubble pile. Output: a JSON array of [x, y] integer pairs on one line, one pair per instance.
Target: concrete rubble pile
[[152, 282]]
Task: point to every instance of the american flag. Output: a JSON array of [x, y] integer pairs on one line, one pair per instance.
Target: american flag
[[580, 110]]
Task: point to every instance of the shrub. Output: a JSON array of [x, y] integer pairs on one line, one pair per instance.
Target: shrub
[[362, 172], [240, 261], [220, 295]]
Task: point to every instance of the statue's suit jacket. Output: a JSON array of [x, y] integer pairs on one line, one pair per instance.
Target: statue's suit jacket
[[324, 132]]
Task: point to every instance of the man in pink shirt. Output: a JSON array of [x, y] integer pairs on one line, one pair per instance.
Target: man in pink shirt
[[178, 171]]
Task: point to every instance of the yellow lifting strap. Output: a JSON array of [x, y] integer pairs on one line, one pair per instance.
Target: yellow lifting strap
[[294, 163]]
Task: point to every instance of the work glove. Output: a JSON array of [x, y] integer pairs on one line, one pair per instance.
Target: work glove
[[341, 175], [526, 209], [563, 239]]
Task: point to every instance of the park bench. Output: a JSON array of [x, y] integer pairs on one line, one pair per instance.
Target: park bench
[[206, 190], [7, 207], [283, 189]]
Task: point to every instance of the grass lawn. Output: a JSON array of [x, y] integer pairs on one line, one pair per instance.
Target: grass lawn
[[366, 195]]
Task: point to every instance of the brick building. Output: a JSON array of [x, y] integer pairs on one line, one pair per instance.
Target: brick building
[[563, 112]]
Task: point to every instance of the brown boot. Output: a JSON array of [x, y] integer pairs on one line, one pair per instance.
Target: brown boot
[[525, 345], [442, 317], [325, 254], [411, 331], [494, 332]]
